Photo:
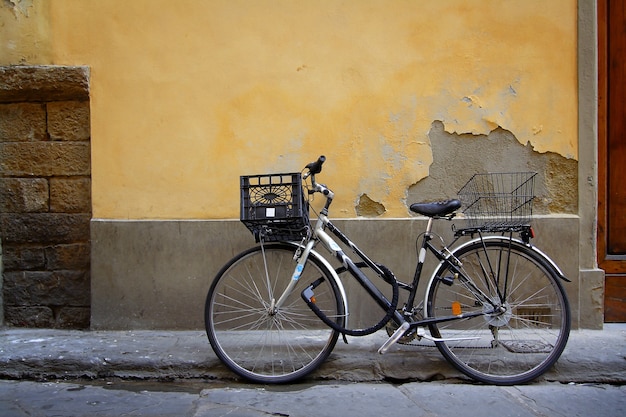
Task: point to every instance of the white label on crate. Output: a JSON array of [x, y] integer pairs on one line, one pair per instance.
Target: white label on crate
[[270, 212]]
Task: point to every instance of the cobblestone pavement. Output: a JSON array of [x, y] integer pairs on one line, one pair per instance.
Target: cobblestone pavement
[[595, 356], [137, 398]]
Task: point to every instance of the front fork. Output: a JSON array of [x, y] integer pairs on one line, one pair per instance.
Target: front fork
[[301, 256]]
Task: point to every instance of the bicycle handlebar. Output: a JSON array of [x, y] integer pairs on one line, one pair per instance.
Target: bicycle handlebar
[[314, 167]]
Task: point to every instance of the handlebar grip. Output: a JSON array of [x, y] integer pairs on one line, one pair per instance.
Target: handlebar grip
[[316, 167]]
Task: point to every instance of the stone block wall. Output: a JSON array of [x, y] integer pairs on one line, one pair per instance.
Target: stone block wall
[[45, 196]]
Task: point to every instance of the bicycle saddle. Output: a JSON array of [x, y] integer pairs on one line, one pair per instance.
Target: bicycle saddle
[[438, 208]]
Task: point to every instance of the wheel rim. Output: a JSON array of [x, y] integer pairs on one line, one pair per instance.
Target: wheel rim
[[251, 335], [517, 344]]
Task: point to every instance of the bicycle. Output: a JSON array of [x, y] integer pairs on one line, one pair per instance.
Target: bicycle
[[494, 306]]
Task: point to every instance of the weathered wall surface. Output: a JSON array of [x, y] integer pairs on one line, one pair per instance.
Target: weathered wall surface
[[457, 157], [235, 87]]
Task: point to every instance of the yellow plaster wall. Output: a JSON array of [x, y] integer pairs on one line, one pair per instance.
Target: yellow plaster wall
[[24, 32], [188, 95]]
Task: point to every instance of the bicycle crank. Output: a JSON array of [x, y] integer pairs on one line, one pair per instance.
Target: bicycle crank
[[409, 336]]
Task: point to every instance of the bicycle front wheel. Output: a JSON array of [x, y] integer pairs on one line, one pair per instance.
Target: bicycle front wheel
[[521, 317], [254, 338]]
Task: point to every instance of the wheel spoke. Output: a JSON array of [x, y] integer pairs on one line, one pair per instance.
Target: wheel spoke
[[262, 343], [526, 334]]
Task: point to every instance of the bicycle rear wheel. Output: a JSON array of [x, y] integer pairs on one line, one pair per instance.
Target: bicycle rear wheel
[[257, 341], [524, 317]]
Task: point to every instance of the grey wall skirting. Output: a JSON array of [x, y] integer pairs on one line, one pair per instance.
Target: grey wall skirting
[[155, 274]]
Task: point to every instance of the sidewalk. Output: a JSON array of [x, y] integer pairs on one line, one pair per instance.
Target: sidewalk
[[590, 356]]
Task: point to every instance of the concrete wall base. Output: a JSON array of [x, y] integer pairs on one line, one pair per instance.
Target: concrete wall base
[[155, 274]]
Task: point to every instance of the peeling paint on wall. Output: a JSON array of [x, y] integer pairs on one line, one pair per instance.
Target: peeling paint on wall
[[366, 207], [459, 156], [25, 37], [19, 7]]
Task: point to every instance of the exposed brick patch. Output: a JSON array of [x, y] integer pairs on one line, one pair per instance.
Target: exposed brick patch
[[38, 316], [44, 228], [49, 288], [22, 122], [68, 120], [45, 196], [24, 195], [23, 258], [73, 256], [70, 195], [43, 83], [43, 159]]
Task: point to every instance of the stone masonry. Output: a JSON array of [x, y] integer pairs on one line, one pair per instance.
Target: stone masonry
[[45, 196]]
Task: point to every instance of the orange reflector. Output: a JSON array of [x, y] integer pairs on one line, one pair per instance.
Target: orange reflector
[[313, 300], [456, 308]]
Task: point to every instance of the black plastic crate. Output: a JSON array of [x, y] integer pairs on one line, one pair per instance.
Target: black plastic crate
[[273, 206]]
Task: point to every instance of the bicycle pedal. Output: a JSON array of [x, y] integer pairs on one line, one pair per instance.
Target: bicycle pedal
[[406, 338], [421, 332]]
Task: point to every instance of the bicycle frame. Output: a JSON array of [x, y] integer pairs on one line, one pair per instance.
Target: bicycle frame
[[402, 319], [322, 223], [320, 234]]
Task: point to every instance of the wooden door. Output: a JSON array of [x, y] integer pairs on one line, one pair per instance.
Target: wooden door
[[612, 155]]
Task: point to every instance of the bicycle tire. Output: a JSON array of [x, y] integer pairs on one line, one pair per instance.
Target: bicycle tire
[[264, 346], [516, 344]]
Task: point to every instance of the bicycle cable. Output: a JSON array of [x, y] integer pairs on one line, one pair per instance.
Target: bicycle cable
[[388, 276], [308, 297]]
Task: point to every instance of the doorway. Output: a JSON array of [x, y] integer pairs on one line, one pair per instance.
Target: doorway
[[612, 155]]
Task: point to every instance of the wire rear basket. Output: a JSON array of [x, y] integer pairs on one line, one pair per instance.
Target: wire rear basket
[[273, 207], [498, 201]]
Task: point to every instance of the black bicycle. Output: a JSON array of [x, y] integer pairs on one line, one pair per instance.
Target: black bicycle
[[494, 307]]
